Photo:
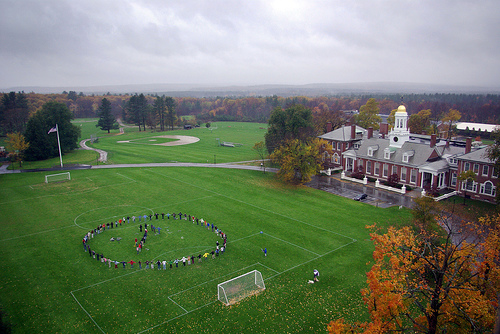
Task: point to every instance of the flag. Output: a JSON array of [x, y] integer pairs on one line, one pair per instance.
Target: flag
[[54, 129]]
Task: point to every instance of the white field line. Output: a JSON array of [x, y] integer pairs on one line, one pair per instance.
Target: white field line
[[41, 232], [307, 250], [95, 323]]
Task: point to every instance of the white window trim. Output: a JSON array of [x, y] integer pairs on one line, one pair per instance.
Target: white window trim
[[487, 170], [493, 189], [413, 172], [474, 186], [476, 166]]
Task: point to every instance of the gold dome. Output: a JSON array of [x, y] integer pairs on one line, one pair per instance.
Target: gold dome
[[401, 109]]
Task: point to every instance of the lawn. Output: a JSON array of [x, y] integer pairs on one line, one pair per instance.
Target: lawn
[[49, 284], [137, 146]]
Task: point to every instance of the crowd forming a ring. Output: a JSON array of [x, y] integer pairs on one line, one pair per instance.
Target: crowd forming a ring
[[148, 222]]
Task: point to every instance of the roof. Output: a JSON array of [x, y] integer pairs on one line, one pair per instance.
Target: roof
[[418, 153], [344, 134], [478, 155], [477, 126]]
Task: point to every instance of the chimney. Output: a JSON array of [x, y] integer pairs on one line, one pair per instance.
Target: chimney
[[348, 124], [370, 132], [353, 131], [468, 145], [433, 140], [328, 127], [383, 129]]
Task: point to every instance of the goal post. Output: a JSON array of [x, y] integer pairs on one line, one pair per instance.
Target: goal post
[[57, 177], [238, 288]]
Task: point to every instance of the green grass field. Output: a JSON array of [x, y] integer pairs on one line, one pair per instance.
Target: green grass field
[[49, 284]]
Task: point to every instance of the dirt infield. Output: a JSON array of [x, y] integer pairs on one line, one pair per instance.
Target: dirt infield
[[181, 140]]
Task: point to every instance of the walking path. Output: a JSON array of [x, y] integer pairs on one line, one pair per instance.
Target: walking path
[[103, 155]]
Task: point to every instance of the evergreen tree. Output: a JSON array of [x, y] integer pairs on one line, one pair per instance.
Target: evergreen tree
[[106, 120], [171, 114], [43, 145], [14, 113]]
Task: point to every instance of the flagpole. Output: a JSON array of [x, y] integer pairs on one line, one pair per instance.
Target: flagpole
[[59, 144]]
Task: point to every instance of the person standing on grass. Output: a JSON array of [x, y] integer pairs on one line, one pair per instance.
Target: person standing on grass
[[133, 219], [147, 264], [170, 263], [140, 264], [158, 263], [158, 228], [316, 275], [184, 261], [140, 228], [265, 251], [176, 263]]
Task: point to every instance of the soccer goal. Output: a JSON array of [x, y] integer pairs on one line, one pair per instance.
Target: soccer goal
[[238, 288], [57, 177]]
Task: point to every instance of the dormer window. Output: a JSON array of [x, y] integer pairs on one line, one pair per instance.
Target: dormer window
[[371, 150], [387, 153], [407, 155]]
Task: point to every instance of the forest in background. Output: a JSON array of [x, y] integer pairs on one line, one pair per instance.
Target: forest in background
[[480, 108]]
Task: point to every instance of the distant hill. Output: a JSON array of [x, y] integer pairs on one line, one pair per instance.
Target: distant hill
[[317, 89]]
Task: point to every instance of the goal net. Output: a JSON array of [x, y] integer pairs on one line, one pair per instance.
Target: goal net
[[238, 288], [57, 177]]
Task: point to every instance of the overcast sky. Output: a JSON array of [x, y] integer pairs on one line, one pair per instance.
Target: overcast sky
[[100, 42]]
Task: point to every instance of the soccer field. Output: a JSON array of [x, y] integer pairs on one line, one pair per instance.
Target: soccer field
[[49, 284]]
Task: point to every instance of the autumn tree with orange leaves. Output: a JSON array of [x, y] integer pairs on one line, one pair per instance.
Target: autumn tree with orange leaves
[[432, 278]]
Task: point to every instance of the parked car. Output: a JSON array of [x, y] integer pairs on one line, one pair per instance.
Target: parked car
[[360, 197]]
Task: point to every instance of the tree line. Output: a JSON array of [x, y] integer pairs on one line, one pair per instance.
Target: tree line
[[16, 108]]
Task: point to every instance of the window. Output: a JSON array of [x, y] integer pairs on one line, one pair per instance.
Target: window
[[413, 176], [476, 169], [385, 170], [485, 170], [403, 174], [387, 154], [336, 159], [488, 188], [466, 166], [394, 169], [356, 146], [453, 179], [407, 155], [377, 168], [370, 152], [368, 167], [469, 186], [339, 146], [453, 161]]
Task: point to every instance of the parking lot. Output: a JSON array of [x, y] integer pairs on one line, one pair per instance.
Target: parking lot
[[376, 197]]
